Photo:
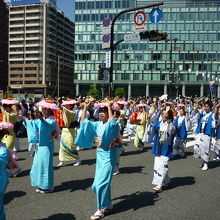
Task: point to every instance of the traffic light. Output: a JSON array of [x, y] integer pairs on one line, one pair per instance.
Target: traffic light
[[171, 77], [101, 73], [153, 35]]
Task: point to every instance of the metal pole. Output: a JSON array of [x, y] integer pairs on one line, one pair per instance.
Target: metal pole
[[112, 40], [19, 94], [58, 79]]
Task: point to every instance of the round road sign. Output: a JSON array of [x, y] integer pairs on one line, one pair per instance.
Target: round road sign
[[106, 38], [106, 22], [139, 18]]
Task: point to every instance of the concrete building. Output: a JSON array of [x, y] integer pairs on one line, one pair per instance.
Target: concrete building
[[41, 48], [3, 46], [143, 68]]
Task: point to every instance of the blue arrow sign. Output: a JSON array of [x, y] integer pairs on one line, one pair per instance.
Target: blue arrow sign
[[156, 15]]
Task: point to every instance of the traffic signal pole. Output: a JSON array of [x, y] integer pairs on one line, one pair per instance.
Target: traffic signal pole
[[112, 46]]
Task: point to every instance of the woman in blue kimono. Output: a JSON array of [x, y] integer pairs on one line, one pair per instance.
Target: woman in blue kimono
[[106, 132], [215, 145], [182, 126], [163, 149], [4, 163], [42, 169], [205, 131]]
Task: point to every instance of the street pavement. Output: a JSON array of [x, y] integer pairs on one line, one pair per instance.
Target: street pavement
[[193, 194]]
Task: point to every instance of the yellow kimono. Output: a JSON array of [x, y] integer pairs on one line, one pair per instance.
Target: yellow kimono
[[140, 129], [68, 150], [9, 139]]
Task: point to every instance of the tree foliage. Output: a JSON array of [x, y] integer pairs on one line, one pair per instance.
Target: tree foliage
[[120, 92], [93, 92]]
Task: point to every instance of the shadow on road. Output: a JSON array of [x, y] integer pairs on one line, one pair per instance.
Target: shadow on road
[[9, 196], [178, 157], [128, 153], [24, 173], [132, 170], [60, 217], [21, 159], [213, 164], [134, 201], [74, 185], [89, 162], [181, 181]]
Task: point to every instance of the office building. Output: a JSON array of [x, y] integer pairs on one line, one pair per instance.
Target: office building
[[3, 46], [25, 2], [41, 48], [191, 52]]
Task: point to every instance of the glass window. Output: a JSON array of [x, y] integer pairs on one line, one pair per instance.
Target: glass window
[[156, 77]]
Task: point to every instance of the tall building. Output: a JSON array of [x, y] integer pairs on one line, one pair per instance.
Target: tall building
[[41, 48], [3, 46], [25, 2], [144, 68]]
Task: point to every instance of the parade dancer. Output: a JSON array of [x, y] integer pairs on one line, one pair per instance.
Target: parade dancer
[[68, 150], [106, 130], [10, 116], [162, 149], [205, 132], [181, 123], [4, 163], [140, 127], [215, 145], [41, 174]]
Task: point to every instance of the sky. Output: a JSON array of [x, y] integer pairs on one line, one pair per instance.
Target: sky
[[67, 6]]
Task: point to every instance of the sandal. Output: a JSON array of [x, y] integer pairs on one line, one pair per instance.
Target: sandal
[[96, 216], [157, 189]]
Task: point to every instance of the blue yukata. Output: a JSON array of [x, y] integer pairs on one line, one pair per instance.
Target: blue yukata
[[106, 133], [180, 139], [205, 131], [215, 145], [163, 150], [42, 169], [32, 134], [4, 159]]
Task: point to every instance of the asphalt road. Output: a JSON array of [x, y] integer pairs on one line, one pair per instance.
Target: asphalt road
[[193, 194]]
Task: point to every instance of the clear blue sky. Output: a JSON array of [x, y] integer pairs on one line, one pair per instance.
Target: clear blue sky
[[67, 6]]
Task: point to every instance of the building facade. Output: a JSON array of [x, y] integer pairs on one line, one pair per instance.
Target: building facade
[[41, 50], [25, 2], [192, 51], [3, 46]]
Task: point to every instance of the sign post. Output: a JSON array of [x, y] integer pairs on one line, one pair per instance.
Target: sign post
[[155, 15], [139, 20]]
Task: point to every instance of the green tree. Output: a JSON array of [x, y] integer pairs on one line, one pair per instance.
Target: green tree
[[8, 94], [93, 92], [120, 92]]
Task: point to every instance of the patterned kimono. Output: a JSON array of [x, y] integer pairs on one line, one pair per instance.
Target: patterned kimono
[[163, 150], [140, 129], [4, 158], [105, 155], [68, 150], [42, 168], [205, 132]]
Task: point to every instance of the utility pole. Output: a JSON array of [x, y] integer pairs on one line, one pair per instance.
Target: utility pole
[[171, 71], [112, 47]]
